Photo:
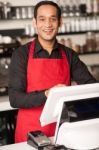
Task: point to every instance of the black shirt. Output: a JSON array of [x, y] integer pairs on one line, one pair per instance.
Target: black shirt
[[18, 96]]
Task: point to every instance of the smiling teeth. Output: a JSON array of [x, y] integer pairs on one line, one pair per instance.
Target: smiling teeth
[[48, 30]]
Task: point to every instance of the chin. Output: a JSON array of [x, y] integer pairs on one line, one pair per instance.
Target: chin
[[49, 37]]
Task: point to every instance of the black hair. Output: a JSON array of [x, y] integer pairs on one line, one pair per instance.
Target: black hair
[[47, 3]]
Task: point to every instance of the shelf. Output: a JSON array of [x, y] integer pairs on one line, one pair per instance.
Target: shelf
[[75, 33], [10, 45], [89, 53], [21, 32], [81, 16], [90, 59], [15, 19], [7, 49], [12, 32], [70, 17], [66, 33]]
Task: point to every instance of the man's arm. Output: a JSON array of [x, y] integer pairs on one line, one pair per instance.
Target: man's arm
[[18, 96]]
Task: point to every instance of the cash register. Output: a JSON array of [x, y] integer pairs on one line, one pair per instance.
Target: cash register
[[75, 109]]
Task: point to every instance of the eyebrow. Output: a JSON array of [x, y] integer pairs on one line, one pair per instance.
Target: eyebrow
[[45, 16]]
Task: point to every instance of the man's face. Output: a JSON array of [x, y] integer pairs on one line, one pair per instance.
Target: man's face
[[47, 22]]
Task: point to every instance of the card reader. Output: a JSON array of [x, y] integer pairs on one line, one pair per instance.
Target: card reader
[[38, 139]]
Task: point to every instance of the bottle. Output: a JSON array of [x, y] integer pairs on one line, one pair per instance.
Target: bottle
[[73, 25], [71, 13], [62, 41], [88, 24], [75, 8], [1, 10], [97, 42], [94, 23], [6, 10], [65, 7], [63, 28], [77, 11], [68, 27], [18, 13], [30, 12], [27, 30], [83, 25], [23, 13], [90, 42], [82, 7], [77, 25], [69, 42], [89, 6], [95, 7]]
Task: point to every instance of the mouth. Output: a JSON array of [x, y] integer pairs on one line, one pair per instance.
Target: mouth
[[48, 31]]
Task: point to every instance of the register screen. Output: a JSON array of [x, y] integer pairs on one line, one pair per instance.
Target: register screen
[[80, 110]]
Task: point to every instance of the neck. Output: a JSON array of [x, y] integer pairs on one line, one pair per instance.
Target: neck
[[47, 45]]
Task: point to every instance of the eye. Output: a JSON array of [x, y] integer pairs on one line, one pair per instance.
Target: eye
[[41, 19], [54, 19]]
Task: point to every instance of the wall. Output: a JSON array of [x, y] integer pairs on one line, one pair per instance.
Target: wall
[[20, 2], [25, 2]]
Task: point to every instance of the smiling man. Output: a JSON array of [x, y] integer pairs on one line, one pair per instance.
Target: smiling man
[[47, 22], [38, 66]]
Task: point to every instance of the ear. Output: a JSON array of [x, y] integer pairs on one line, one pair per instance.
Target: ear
[[34, 22], [60, 22]]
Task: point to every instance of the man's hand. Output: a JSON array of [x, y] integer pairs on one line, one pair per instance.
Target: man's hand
[[58, 85]]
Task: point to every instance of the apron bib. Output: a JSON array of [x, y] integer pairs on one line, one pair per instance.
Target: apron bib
[[42, 73]]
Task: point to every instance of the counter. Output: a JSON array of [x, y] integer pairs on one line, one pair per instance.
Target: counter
[[5, 104], [7, 120], [18, 146]]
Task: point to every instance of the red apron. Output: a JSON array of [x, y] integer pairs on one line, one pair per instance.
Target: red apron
[[42, 73]]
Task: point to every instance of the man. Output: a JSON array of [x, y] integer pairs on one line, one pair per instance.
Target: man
[[40, 65]]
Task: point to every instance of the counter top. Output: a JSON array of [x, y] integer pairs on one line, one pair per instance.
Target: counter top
[[18, 146], [5, 104]]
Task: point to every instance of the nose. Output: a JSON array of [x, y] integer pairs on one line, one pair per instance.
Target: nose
[[48, 23]]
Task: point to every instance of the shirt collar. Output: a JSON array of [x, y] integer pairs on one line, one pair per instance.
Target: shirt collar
[[39, 48]]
